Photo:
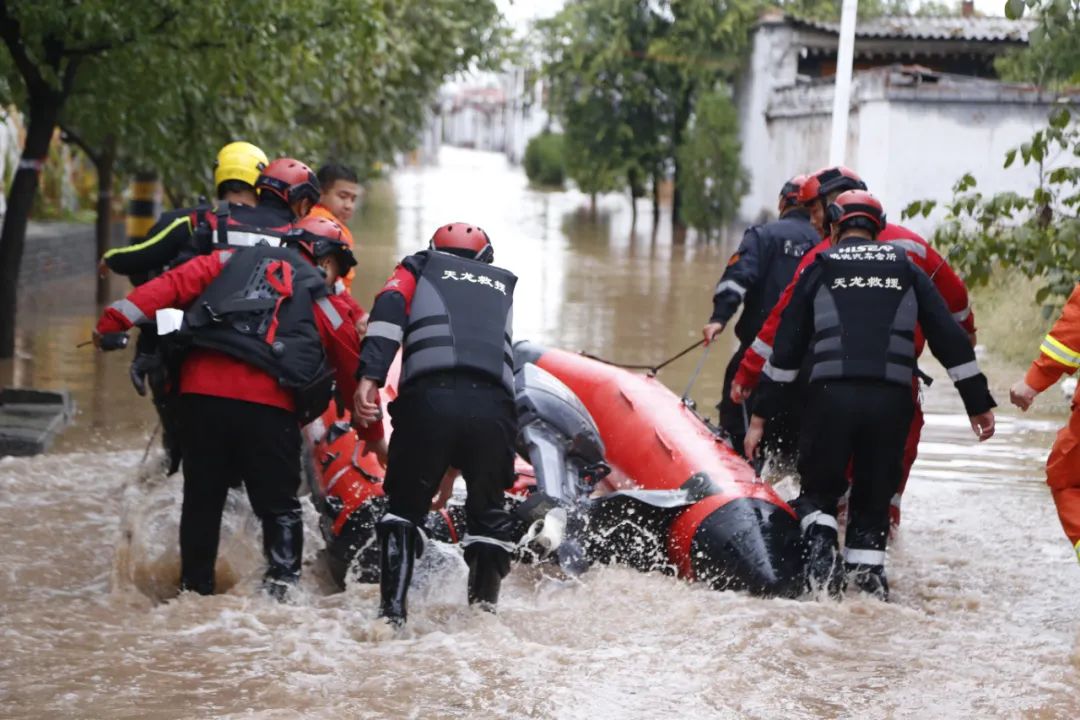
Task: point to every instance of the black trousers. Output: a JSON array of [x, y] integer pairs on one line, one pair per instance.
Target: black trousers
[[781, 431], [864, 424], [225, 439], [459, 420]]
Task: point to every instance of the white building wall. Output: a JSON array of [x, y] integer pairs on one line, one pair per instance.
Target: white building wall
[[908, 148], [932, 145], [773, 64]]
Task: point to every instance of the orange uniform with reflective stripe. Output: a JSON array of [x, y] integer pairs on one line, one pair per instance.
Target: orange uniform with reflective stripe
[[1060, 354], [322, 211]]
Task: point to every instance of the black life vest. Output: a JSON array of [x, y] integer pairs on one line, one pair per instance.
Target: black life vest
[[784, 242], [460, 319], [237, 226], [260, 310], [865, 313]]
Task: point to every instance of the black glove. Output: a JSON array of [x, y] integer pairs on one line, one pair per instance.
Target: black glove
[[113, 341], [141, 366]]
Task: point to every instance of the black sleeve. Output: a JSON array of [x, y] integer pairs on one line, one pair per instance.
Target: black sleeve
[[388, 320], [950, 344], [169, 235], [743, 272], [385, 332], [792, 339]]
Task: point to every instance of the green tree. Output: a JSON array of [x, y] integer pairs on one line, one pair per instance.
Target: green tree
[[625, 76], [1052, 58], [713, 177], [352, 79], [545, 159]]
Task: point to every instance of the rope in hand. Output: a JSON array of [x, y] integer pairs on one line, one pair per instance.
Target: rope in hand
[[653, 369]]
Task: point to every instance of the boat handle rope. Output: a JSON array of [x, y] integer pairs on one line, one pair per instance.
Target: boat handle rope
[[653, 369]]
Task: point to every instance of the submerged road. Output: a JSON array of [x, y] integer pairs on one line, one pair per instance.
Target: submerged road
[[982, 624]]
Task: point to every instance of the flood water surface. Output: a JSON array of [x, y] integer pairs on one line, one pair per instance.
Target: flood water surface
[[982, 623]]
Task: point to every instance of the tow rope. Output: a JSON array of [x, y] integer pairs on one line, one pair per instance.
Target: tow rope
[[653, 369]]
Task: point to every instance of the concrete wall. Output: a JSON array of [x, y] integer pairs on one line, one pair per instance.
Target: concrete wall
[[773, 64], [908, 143]]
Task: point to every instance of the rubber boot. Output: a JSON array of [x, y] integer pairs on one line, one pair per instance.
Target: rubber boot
[[400, 543], [488, 565], [823, 567], [283, 546], [869, 579]]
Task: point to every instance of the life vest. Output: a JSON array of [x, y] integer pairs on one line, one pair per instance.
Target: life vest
[[783, 244], [865, 313], [460, 319], [237, 226], [260, 310]]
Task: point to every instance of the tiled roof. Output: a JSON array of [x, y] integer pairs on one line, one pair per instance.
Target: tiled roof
[[985, 29]]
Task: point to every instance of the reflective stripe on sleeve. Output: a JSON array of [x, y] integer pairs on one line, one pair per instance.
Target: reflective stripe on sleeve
[[388, 330], [244, 238], [762, 348], [485, 540], [129, 310], [819, 518], [731, 285], [963, 372], [857, 556], [1076, 547], [1060, 352], [778, 374], [962, 315], [330, 311], [150, 240]]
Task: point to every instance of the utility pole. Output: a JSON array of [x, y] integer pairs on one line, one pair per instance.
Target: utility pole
[[842, 92]]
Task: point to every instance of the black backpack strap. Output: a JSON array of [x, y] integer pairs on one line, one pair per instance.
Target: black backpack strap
[[222, 214]]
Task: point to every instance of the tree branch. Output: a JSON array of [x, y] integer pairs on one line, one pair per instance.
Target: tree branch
[[11, 32], [97, 49], [70, 136]]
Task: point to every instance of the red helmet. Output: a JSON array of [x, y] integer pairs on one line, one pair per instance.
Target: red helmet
[[289, 179], [467, 240], [789, 194], [318, 237], [829, 180], [857, 206]]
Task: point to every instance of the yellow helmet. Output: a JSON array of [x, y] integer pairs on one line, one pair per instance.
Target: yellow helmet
[[239, 161]]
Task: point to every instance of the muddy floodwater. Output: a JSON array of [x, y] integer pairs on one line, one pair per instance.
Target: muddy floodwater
[[983, 623]]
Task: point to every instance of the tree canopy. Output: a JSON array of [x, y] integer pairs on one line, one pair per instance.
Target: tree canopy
[[162, 84], [625, 76]]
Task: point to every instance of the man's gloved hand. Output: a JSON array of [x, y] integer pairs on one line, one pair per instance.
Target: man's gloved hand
[[141, 366]]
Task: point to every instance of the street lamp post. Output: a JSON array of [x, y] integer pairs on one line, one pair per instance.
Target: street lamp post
[[842, 94]]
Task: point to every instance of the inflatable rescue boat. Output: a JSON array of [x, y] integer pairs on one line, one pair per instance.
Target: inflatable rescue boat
[[618, 469]]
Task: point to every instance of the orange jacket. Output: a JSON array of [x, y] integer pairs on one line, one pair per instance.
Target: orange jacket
[[1060, 349], [322, 211]]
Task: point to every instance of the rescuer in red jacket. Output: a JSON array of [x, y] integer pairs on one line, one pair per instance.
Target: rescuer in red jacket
[[822, 188], [265, 342]]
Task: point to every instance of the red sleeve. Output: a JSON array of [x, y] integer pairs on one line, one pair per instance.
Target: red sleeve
[[342, 346], [947, 282], [754, 359], [178, 287], [402, 281], [341, 343], [951, 287]]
